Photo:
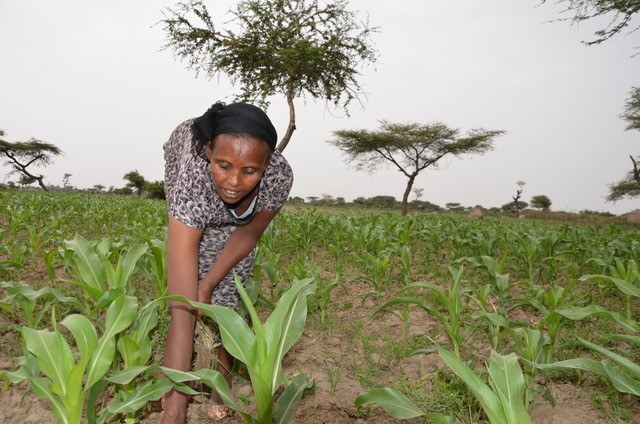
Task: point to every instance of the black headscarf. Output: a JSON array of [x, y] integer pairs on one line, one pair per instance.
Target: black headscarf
[[233, 118]]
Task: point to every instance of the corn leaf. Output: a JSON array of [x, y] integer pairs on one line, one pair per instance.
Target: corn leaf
[[53, 356], [89, 265], [120, 314], [284, 327], [130, 261], [129, 350], [624, 286], [84, 334], [290, 398], [398, 406], [127, 375], [42, 388], [584, 364], [628, 365], [622, 382], [140, 397], [489, 401], [210, 377], [576, 314], [508, 382]]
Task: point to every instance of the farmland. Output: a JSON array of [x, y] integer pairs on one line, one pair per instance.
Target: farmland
[[389, 291]]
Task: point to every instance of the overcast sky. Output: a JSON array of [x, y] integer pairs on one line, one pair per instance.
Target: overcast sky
[[89, 77]]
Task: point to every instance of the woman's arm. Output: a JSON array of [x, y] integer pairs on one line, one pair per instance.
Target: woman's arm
[[240, 244], [182, 278]]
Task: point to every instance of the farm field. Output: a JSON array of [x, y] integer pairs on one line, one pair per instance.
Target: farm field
[[559, 301]]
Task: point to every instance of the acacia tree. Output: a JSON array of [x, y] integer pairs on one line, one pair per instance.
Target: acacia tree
[[621, 13], [21, 155], [630, 185], [410, 147], [541, 202], [295, 48], [135, 181]]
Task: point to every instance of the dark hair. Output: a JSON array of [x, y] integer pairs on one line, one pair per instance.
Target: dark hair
[[240, 118]]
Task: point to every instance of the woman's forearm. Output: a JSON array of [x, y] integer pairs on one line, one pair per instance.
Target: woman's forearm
[[182, 279], [240, 244]]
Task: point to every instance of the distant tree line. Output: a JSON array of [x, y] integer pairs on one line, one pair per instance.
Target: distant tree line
[[540, 202]]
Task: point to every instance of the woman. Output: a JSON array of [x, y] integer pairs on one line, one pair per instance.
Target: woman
[[225, 182]]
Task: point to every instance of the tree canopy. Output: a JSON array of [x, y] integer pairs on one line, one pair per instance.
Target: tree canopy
[[630, 185], [541, 201], [21, 155], [295, 48], [410, 147], [135, 181], [620, 12], [632, 109]]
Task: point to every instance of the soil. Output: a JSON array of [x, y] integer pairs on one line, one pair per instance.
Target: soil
[[319, 347]]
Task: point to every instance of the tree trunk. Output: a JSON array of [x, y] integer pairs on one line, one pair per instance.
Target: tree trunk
[[41, 184], [292, 121], [405, 196]]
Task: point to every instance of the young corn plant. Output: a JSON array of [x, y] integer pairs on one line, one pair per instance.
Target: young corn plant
[[622, 372], [377, 269], [557, 305], [27, 299], [500, 287], [398, 405], [93, 271], [135, 349], [404, 254], [154, 265], [503, 399], [450, 310], [532, 345], [625, 278], [323, 295], [54, 373], [529, 251], [263, 349]]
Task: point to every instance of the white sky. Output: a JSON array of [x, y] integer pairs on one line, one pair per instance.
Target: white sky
[[89, 77]]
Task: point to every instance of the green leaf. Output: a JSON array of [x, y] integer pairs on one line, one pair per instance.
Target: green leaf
[[290, 398], [209, 377], [285, 326], [494, 318], [397, 405], [140, 397], [129, 351], [130, 261], [584, 364], [53, 355], [89, 267], [84, 334], [576, 314], [621, 382], [628, 365], [92, 400], [508, 382], [127, 375], [42, 388], [236, 335], [489, 401], [120, 314]]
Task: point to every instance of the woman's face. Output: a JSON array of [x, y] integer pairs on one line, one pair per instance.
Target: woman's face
[[237, 164]]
